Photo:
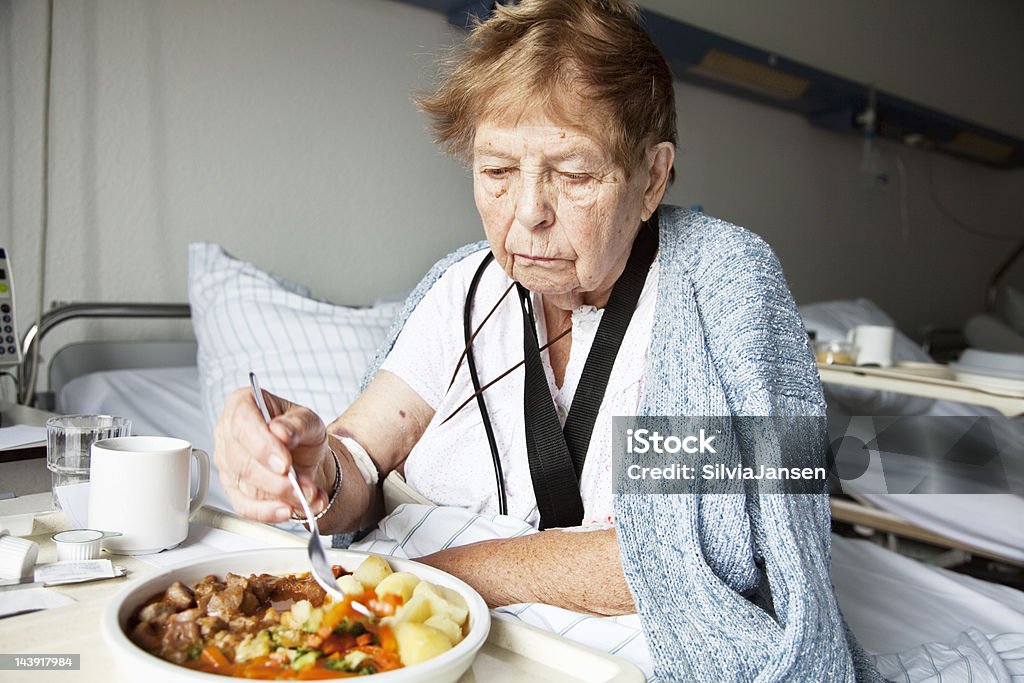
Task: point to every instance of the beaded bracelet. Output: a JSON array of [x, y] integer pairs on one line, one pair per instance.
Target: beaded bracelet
[[334, 491]]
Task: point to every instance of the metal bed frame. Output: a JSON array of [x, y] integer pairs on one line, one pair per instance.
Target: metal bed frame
[[28, 371]]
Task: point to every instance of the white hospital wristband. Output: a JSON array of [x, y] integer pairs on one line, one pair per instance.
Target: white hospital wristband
[[361, 458]]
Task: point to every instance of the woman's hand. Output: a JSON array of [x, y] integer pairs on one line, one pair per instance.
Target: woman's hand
[[253, 457]]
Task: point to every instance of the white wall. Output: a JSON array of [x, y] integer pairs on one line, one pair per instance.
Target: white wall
[[285, 131], [798, 186]]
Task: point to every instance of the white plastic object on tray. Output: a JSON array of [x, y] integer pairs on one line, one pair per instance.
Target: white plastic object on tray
[[79, 544], [17, 556]]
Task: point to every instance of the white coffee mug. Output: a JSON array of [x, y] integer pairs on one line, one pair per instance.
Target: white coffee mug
[[872, 344], [139, 486]]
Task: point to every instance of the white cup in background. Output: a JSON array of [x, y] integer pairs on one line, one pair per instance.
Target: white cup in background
[[872, 344], [139, 486]]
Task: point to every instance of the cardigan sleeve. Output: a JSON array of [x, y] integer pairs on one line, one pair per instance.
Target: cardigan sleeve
[[735, 347], [753, 331]]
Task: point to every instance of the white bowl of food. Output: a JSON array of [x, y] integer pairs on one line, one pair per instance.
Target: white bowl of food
[[181, 625]]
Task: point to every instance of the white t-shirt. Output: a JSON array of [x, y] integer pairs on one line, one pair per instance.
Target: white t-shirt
[[451, 464]]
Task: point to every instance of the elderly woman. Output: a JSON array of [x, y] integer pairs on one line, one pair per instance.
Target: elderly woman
[[494, 394]]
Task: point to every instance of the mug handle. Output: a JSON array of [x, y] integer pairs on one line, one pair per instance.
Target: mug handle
[[203, 460]]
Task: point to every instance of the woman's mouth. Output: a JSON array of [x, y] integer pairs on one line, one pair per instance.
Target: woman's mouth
[[537, 260]]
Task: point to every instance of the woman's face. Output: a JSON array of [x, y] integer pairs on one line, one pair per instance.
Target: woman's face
[[559, 214]]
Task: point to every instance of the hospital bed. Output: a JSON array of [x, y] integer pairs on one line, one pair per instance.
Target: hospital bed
[[972, 526], [894, 604]]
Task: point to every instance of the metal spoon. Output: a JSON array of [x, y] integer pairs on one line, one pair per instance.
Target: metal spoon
[[317, 557]]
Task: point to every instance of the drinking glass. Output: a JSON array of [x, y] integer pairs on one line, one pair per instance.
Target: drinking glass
[[69, 439]]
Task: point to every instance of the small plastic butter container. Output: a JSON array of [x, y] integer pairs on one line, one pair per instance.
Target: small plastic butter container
[[79, 544]]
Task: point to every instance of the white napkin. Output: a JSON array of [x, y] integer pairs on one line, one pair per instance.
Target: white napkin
[[74, 501], [13, 601]]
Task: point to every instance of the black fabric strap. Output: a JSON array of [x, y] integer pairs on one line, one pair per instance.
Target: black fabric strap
[[556, 458], [555, 482]]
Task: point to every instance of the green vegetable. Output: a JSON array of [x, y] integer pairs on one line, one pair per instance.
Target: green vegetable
[[194, 651], [352, 628], [306, 659], [352, 662]]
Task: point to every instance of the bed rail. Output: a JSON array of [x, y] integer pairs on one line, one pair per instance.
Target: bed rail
[[28, 371]]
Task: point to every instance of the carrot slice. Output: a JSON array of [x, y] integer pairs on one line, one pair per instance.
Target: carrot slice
[[214, 657]]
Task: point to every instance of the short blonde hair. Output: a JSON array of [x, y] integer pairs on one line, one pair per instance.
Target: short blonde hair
[[586, 62]]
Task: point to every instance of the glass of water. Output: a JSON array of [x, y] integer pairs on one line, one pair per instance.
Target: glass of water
[[69, 440]]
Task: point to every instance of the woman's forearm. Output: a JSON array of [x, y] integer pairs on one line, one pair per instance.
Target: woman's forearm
[[357, 505], [387, 420], [579, 571]]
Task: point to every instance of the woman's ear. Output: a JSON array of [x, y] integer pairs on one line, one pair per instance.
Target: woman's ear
[[660, 158]]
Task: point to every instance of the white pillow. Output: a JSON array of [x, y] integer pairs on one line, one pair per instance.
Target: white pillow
[[246, 319], [833, 320]]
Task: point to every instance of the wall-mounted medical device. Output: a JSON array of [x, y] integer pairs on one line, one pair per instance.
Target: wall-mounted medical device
[[10, 351]]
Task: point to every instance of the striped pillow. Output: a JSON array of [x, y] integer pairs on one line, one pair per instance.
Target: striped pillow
[[308, 351]]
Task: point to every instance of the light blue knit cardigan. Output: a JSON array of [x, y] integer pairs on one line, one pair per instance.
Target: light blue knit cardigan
[[727, 340]]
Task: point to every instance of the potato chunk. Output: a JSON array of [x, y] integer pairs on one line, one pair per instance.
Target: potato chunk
[[418, 642], [445, 625], [372, 571], [417, 610], [444, 601], [349, 585], [398, 583]]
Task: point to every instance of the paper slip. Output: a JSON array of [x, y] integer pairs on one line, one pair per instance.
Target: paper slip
[[31, 600], [201, 541], [19, 436], [77, 571]]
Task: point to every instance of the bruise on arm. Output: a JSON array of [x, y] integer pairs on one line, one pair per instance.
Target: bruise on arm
[[387, 419]]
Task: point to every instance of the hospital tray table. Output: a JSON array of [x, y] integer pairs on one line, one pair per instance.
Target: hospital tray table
[[513, 652]]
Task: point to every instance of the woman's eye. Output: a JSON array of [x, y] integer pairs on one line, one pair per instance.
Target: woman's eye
[[496, 173], [576, 177]]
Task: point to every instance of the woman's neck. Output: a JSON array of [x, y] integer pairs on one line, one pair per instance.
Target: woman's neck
[[556, 320]]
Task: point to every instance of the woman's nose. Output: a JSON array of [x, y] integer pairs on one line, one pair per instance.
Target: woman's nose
[[534, 207]]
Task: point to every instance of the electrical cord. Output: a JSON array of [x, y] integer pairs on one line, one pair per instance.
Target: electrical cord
[[904, 197], [955, 220], [44, 219]]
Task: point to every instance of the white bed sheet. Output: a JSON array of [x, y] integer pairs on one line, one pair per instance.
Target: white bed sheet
[[991, 522], [894, 603]]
